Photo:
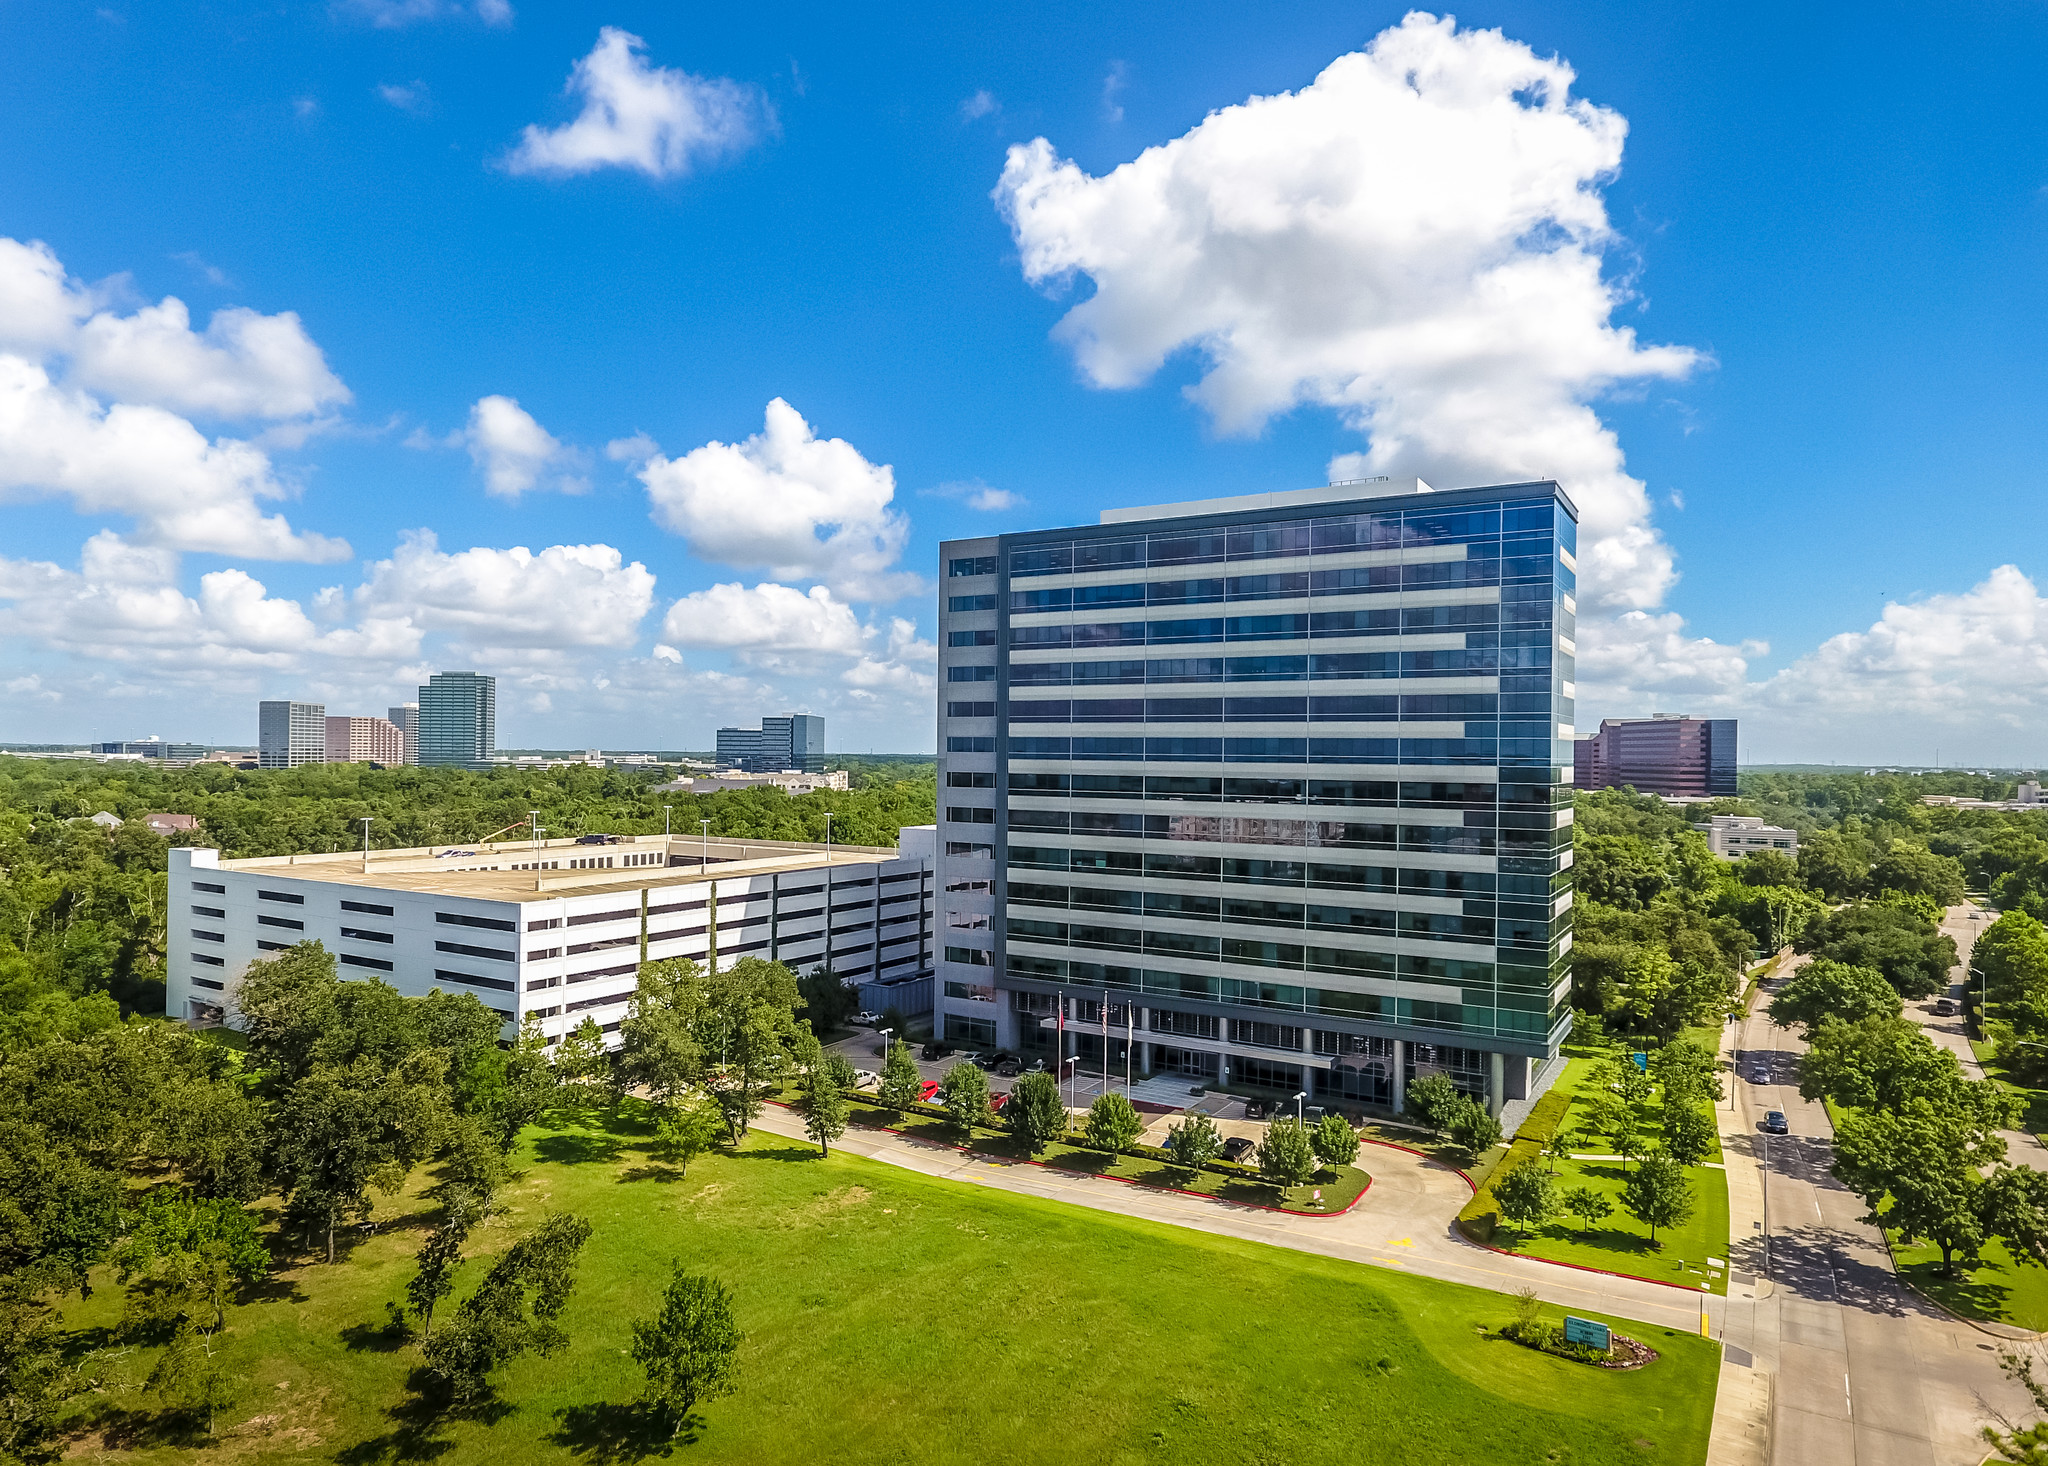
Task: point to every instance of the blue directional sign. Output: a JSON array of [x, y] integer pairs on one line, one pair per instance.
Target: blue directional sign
[[1586, 1331], [1642, 1061]]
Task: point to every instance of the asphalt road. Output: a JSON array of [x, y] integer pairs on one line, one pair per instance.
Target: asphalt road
[[1864, 1371]]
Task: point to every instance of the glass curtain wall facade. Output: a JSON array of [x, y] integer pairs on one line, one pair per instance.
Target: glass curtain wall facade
[[458, 720], [1287, 789]]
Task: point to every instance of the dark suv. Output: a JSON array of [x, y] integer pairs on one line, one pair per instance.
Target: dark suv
[[1237, 1148]]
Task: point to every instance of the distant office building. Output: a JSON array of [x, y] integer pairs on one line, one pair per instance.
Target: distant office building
[[290, 733], [364, 741], [789, 781], [796, 742], [1732, 836], [1671, 754], [152, 748], [405, 717], [458, 713]]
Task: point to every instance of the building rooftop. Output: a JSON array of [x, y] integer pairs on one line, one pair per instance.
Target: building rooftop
[[1370, 488], [494, 873]]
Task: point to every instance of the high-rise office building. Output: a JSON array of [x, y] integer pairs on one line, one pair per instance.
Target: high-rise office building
[[1683, 757], [405, 717], [458, 714], [793, 742], [290, 733], [364, 741], [1270, 791]]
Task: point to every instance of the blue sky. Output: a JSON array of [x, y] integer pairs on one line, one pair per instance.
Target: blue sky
[[1839, 212]]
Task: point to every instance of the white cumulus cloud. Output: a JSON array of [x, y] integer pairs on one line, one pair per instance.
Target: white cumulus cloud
[[766, 620], [1415, 240], [657, 120], [800, 506], [245, 364], [565, 596], [184, 492], [514, 453]]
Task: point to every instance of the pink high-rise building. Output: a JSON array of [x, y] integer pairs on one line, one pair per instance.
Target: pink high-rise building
[[364, 740]]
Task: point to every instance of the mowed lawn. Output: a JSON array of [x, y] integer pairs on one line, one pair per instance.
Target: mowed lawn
[[894, 1318], [1694, 1254], [1995, 1289]]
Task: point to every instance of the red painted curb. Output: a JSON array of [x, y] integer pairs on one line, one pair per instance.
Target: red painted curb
[[1126, 1180], [1605, 1272]]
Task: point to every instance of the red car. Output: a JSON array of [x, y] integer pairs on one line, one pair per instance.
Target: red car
[[925, 1092]]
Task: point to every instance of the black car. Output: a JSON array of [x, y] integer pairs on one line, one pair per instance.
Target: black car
[[1237, 1148], [1007, 1067], [936, 1050], [1774, 1123]]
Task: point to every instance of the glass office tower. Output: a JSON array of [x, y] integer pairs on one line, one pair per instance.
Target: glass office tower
[[458, 720], [1269, 792]]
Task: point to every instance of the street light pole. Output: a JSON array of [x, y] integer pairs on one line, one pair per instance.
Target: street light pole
[[664, 819], [1299, 1116], [883, 1051], [366, 844], [704, 855]]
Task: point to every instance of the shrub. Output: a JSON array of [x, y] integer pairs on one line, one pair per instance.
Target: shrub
[[1335, 1142], [1287, 1157]]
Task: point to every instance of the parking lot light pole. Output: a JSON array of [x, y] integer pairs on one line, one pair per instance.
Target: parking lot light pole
[[883, 1051], [1299, 1117], [664, 819]]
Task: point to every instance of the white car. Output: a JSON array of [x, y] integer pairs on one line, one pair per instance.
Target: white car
[[870, 1019], [866, 1079]]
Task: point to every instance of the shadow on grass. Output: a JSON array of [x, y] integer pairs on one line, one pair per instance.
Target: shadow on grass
[[794, 1151], [1605, 1239], [607, 1433], [1971, 1297], [653, 1171], [367, 1338], [419, 1425], [573, 1149], [141, 1430]]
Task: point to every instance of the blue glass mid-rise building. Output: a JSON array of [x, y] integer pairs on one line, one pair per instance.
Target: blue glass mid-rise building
[[458, 721], [795, 741], [1270, 792]]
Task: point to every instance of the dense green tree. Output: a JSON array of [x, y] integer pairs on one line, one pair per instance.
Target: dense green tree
[[582, 1065], [1036, 1114], [440, 1255], [1430, 1099], [901, 1080], [1767, 868], [514, 1311], [1526, 1195], [748, 1027], [1911, 951], [1824, 989], [687, 1129], [1658, 1194], [1114, 1123], [1689, 1133], [2012, 956], [35, 1378], [1285, 1155], [1918, 1170], [2014, 1205], [1195, 1141], [341, 1131], [690, 1349], [964, 1093], [1471, 1128], [824, 1101], [1913, 868], [661, 1047], [829, 1003], [1335, 1142], [1836, 864], [183, 1252], [1589, 1204], [1886, 1063]]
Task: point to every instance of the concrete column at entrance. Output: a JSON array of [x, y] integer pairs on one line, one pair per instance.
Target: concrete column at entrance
[[1400, 1076], [1496, 1082]]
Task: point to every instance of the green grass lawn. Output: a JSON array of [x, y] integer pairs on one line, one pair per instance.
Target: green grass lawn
[[1339, 1188], [2035, 1121], [1996, 1289], [1620, 1243], [894, 1318]]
